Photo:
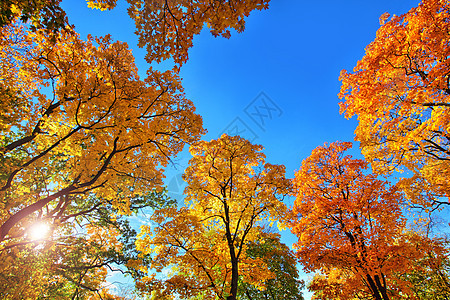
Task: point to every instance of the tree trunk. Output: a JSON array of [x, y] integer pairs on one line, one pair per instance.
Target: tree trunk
[[373, 287], [234, 281], [381, 288]]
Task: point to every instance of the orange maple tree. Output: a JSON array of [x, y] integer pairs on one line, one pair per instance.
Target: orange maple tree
[[400, 91], [349, 225], [230, 191]]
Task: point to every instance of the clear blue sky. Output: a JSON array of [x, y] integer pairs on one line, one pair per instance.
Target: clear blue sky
[[292, 53]]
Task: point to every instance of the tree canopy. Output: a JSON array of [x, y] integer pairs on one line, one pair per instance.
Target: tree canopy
[[165, 28], [400, 92], [82, 133], [85, 143]]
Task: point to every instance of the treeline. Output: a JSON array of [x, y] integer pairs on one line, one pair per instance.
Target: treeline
[[84, 143]]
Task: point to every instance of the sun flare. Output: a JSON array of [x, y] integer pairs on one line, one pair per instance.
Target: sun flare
[[39, 231]]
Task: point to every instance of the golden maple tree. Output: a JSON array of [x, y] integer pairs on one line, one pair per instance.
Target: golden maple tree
[[350, 227], [80, 131], [400, 91], [203, 247], [102, 129]]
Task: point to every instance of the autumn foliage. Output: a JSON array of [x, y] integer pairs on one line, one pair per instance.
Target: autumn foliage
[[84, 143], [167, 28], [82, 133], [203, 247], [46, 15], [400, 91], [349, 225], [101, 130]]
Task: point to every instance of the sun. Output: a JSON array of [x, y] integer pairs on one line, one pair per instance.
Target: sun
[[39, 231]]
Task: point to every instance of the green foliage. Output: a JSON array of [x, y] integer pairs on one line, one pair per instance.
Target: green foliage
[[42, 13], [430, 278], [73, 260], [281, 261]]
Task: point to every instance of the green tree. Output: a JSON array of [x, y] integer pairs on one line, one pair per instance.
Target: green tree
[[281, 261]]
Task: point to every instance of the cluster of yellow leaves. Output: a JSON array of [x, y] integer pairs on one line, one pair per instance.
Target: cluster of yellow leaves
[[335, 283], [187, 252], [400, 92], [255, 272], [102, 4], [40, 14]]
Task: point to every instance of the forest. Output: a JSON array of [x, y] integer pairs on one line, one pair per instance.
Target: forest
[[86, 140]]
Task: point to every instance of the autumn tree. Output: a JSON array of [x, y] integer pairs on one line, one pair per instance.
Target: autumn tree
[[400, 91], [72, 260], [430, 276], [101, 130], [80, 131], [203, 247], [349, 225]]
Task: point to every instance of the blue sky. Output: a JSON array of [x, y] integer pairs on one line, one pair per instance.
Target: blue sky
[[277, 82]]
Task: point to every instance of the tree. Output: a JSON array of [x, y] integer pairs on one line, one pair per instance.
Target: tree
[[167, 28], [230, 189], [79, 132], [281, 261], [349, 226], [400, 91], [102, 130], [427, 279], [72, 259]]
